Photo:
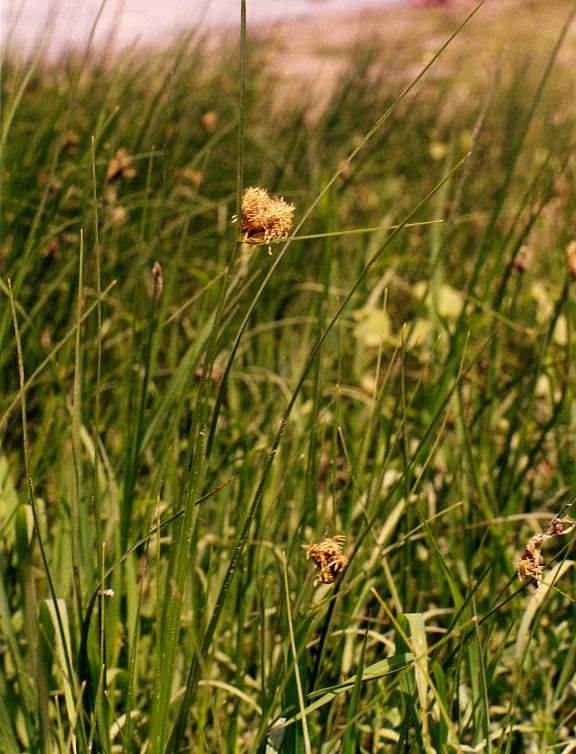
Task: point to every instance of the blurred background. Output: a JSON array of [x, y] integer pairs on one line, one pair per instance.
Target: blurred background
[[71, 21]]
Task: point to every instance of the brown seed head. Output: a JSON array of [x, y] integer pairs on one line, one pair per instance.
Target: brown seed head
[[571, 259], [210, 120], [523, 259], [190, 175], [531, 564], [328, 558], [71, 141], [158, 281], [120, 166], [214, 377], [264, 217]]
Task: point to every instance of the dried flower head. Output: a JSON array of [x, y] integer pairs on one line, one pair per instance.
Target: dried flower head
[[54, 184], [158, 281], [328, 558], [523, 259], [264, 217], [52, 248], [6, 248], [571, 259], [120, 166], [71, 141], [215, 375], [118, 215], [190, 175], [531, 564], [210, 120]]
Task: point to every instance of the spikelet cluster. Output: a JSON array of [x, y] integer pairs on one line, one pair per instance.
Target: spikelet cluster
[[120, 166], [523, 259], [265, 218], [571, 259], [531, 564], [328, 558]]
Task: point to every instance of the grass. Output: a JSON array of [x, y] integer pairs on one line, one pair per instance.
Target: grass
[[399, 371]]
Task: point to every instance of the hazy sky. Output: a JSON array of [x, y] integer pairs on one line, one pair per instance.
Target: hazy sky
[[151, 19]]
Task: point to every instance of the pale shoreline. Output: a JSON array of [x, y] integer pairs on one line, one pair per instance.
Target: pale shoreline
[[148, 22], [317, 49]]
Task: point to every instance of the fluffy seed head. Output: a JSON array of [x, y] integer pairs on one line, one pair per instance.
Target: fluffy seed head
[[328, 558], [120, 166], [264, 217]]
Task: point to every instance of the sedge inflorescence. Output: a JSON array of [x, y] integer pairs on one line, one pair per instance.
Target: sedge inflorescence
[[531, 563], [265, 218], [328, 558], [571, 259], [120, 166]]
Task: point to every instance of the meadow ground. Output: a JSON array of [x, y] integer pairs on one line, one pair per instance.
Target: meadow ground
[[392, 386]]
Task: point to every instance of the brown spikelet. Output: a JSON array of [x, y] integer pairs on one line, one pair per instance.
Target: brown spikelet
[[120, 166], [158, 281], [531, 563], [210, 120], [264, 217], [328, 558], [523, 259], [571, 259]]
